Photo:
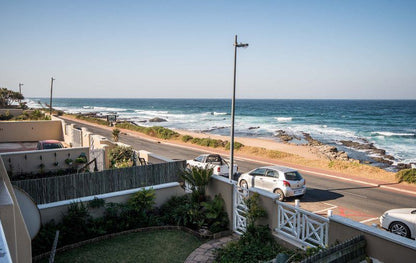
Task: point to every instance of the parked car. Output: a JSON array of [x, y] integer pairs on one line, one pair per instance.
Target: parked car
[[212, 161], [49, 144], [277, 179], [400, 221]]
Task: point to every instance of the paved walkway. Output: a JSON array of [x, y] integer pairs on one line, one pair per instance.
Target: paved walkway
[[205, 253]]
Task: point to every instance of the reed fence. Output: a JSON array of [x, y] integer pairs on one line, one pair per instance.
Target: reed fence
[[53, 189]]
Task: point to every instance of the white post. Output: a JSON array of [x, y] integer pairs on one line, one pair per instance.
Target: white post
[[330, 213], [297, 203]]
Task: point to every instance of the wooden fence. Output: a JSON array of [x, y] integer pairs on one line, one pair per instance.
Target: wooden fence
[[53, 189]]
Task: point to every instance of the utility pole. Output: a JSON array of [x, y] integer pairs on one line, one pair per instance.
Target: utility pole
[[50, 102], [236, 45], [20, 88]]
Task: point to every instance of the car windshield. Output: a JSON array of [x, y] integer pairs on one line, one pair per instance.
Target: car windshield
[[52, 145], [293, 176]]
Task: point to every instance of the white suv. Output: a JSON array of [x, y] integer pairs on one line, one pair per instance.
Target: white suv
[[277, 179]]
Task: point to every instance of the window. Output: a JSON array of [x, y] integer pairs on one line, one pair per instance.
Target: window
[[272, 173], [214, 159], [258, 171], [199, 158], [293, 176]]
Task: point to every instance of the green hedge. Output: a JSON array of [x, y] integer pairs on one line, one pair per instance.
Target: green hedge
[[91, 119], [407, 175], [155, 131]]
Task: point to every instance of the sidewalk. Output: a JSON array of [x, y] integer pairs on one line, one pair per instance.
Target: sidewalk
[[205, 253]]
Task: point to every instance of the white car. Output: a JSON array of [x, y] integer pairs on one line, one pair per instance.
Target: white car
[[400, 221], [214, 162], [277, 179]]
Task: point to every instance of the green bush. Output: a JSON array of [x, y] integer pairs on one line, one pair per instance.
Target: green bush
[[185, 211], [237, 145], [155, 131], [407, 175], [91, 119], [186, 138], [257, 244], [216, 217], [121, 157]]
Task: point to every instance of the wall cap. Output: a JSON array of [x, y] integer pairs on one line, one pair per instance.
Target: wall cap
[[106, 195], [403, 241], [223, 179], [265, 193]]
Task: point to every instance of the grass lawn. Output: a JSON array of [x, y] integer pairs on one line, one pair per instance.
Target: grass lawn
[[155, 246]]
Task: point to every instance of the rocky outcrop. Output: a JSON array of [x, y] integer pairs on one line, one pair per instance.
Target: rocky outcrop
[[369, 147], [253, 128], [157, 119], [332, 153], [283, 136], [311, 141]]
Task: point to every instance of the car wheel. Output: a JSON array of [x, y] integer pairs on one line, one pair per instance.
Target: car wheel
[[400, 229], [281, 195], [243, 184]]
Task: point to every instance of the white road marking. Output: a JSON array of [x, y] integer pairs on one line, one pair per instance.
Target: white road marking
[[326, 209]]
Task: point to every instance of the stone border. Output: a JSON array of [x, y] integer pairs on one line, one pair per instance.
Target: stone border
[[145, 229]]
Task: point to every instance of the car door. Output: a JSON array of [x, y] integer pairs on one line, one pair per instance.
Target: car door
[[257, 177], [271, 179]]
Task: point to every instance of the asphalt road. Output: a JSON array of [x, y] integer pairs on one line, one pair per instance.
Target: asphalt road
[[356, 201]]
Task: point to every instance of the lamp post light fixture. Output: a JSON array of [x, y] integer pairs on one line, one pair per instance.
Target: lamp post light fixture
[[231, 168]]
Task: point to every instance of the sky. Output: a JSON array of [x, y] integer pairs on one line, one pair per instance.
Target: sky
[[184, 49]]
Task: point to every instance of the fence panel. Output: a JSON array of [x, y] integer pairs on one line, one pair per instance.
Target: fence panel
[[53, 189], [305, 228]]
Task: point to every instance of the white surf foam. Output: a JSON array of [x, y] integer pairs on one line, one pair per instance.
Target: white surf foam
[[393, 134], [283, 119]]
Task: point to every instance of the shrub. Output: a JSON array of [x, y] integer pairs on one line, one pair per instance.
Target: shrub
[[181, 211], [197, 178], [121, 157], [186, 138], [407, 175], [257, 244], [155, 131], [215, 214], [116, 134], [237, 145], [91, 119]]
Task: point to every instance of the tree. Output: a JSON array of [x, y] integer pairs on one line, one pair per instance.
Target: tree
[[7, 97], [116, 134], [198, 179]]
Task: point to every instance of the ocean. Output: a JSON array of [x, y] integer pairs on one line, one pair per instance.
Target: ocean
[[388, 124]]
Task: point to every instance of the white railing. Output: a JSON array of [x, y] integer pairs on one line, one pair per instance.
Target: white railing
[[303, 227], [240, 210]]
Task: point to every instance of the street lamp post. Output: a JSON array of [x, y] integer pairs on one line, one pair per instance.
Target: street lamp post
[[50, 102], [236, 45], [20, 88]]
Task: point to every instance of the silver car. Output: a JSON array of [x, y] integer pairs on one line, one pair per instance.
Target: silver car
[[400, 221], [284, 181]]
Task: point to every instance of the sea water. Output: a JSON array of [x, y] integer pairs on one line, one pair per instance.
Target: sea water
[[389, 124]]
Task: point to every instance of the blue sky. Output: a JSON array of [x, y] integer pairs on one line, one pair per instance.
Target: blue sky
[[184, 49]]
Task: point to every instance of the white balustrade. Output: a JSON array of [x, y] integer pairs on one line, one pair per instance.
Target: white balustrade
[[240, 209], [301, 226]]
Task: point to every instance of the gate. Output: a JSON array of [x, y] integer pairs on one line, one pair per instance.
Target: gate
[[301, 226], [240, 209]]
